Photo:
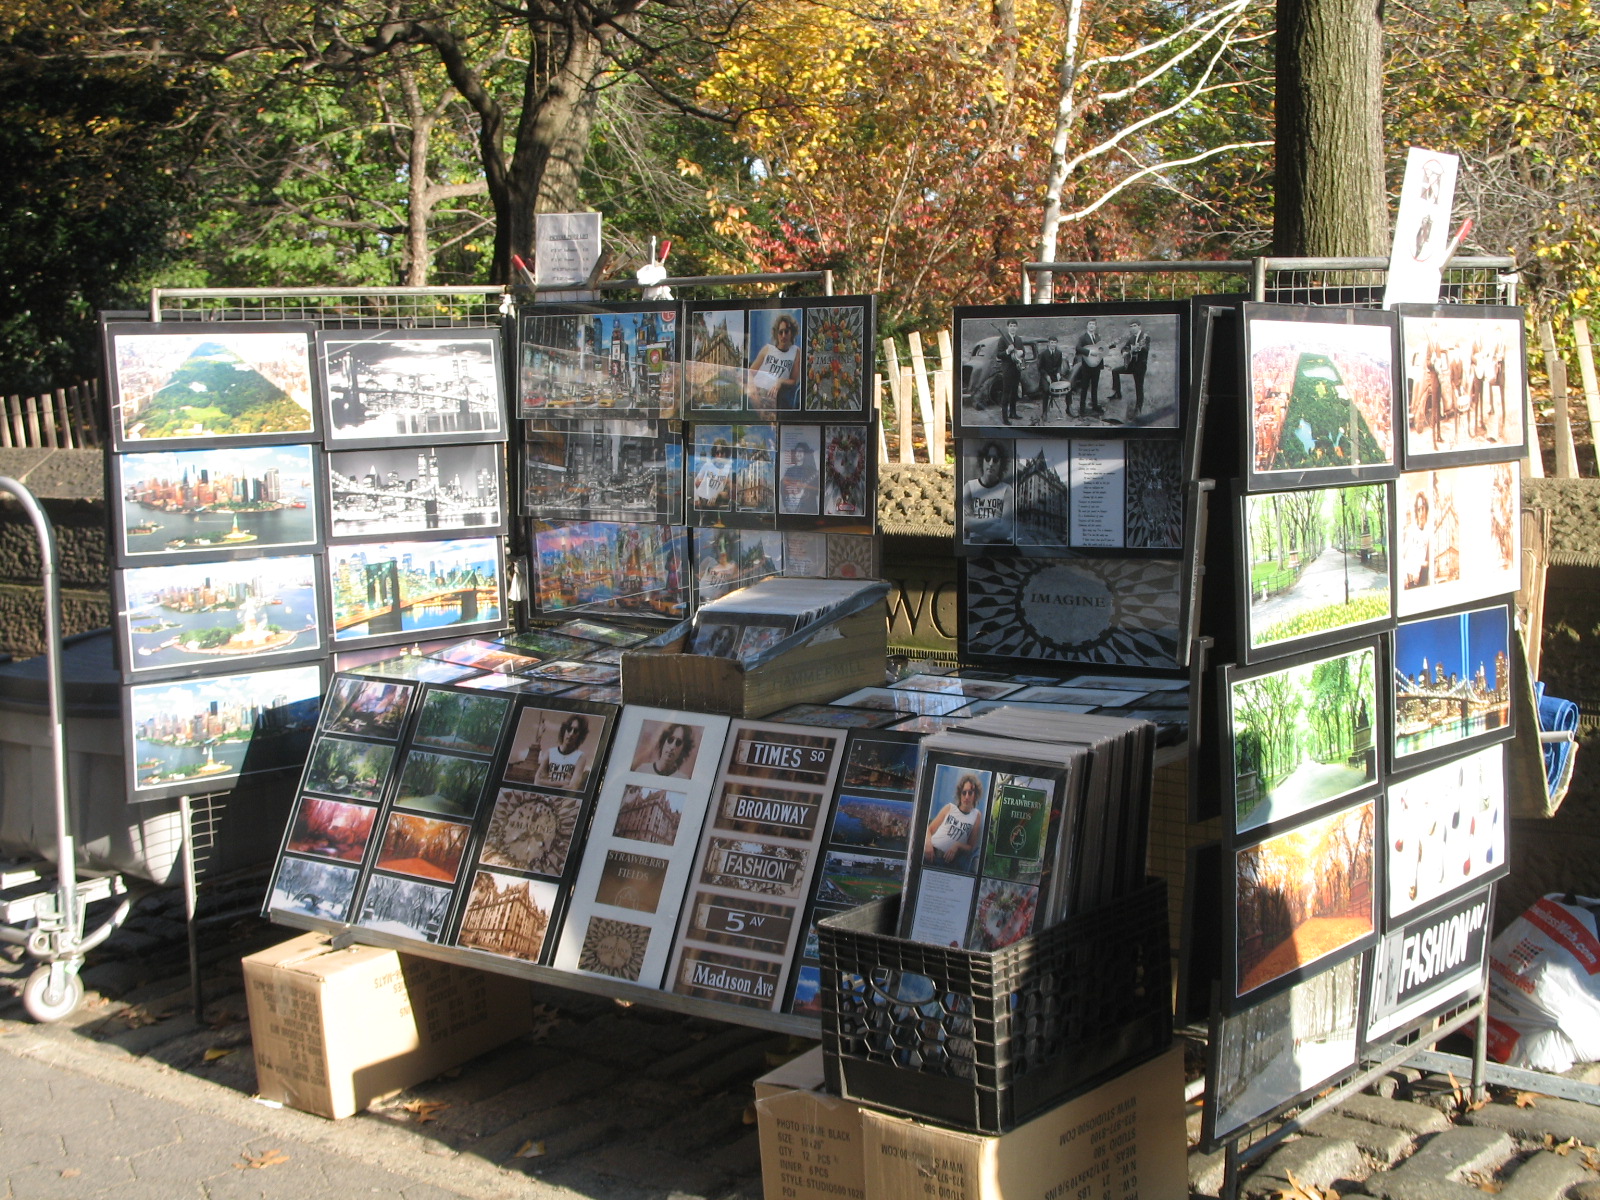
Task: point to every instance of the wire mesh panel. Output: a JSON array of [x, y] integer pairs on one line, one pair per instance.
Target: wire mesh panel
[[417, 308], [1099, 283]]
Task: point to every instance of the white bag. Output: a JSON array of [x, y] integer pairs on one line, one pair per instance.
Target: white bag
[[1544, 986]]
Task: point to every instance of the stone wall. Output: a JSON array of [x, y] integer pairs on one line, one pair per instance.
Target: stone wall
[[70, 487]]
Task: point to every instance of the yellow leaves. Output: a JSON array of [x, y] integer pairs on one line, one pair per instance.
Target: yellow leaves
[[1526, 1099], [259, 1162], [424, 1110], [690, 170], [1298, 1190], [216, 1052]]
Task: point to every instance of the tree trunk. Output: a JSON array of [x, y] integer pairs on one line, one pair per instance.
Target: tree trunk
[[552, 139], [1330, 198]]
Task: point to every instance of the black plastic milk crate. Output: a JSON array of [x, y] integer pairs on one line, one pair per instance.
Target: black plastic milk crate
[[983, 1041]]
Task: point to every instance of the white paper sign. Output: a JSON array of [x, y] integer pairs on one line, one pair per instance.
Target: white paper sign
[[1422, 228], [567, 247]]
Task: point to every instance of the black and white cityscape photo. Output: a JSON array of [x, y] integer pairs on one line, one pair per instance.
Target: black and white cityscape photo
[[378, 492]]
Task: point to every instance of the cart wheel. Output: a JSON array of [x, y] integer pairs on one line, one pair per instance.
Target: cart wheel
[[46, 1005]]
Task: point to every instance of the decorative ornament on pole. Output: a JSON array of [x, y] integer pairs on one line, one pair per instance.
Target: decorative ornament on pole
[[653, 272]]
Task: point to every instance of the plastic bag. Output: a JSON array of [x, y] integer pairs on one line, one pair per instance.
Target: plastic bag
[[1544, 986]]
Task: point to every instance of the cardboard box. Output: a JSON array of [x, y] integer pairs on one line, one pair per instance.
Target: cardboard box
[[810, 1141], [335, 1030], [1124, 1140], [840, 657]]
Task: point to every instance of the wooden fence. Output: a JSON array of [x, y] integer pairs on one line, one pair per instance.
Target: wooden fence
[[915, 410], [1566, 453], [65, 419]]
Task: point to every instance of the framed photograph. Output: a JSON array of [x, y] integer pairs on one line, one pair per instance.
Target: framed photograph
[[339, 766], [486, 656], [466, 722], [1321, 395], [1446, 831], [1303, 734], [849, 478], [1049, 495], [711, 467], [1316, 567], [1302, 900], [313, 888], [838, 357], [607, 360], [333, 829], [430, 387], [555, 747], [446, 784], [366, 707], [1429, 965], [583, 564], [714, 355], [424, 847], [408, 908], [1464, 384], [607, 471], [755, 471], [176, 504], [190, 736], [531, 831], [1082, 610], [1452, 684], [1286, 1048], [389, 592], [1078, 368], [382, 492], [799, 470], [486, 923], [190, 617], [725, 559], [1460, 536], [186, 385], [775, 380]]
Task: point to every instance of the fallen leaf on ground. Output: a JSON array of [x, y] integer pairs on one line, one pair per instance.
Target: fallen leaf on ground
[[217, 1052], [1304, 1191], [424, 1110], [1526, 1099], [530, 1149], [255, 1162], [1489, 1186]]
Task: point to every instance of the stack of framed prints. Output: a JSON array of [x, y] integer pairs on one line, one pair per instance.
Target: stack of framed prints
[[1360, 728], [280, 491], [1073, 484], [444, 814]]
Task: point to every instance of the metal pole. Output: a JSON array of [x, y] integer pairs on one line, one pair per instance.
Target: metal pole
[[191, 901], [55, 696]]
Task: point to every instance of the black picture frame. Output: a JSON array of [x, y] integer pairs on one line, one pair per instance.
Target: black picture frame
[[1164, 359], [823, 370], [446, 386], [1301, 734], [171, 723], [1260, 1063], [1450, 349], [602, 471], [1400, 1000], [1280, 882], [1451, 670], [635, 346], [1300, 431], [392, 493], [145, 358], [1135, 490], [375, 569], [1446, 832], [1326, 570], [273, 495], [261, 600], [1100, 612], [1458, 536]]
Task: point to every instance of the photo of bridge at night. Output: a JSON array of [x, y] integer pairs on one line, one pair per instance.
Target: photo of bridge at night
[[1451, 679], [380, 492], [383, 588], [413, 385]]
